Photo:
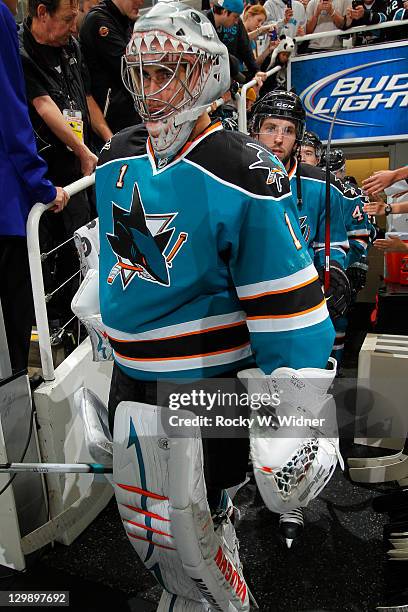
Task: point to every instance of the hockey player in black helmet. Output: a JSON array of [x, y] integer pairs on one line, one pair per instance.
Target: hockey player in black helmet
[[278, 122], [337, 163], [360, 232], [311, 149]]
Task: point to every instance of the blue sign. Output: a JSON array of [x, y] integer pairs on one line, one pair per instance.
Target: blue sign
[[368, 86]]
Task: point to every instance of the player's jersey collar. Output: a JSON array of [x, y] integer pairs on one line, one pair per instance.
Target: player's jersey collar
[[293, 167], [160, 166]]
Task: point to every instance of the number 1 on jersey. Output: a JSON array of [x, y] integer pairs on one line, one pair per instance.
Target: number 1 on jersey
[[295, 239], [122, 172]]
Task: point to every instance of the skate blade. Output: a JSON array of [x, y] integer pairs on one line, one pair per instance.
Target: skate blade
[[398, 554]]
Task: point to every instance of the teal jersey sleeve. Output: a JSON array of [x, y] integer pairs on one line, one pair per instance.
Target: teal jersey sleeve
[[360, 230], [276, 281], [312, 214]]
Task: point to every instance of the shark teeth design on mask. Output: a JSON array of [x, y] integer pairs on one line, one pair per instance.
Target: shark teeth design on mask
[[162, 40], [174, 42], [148, 41], [137, 41]]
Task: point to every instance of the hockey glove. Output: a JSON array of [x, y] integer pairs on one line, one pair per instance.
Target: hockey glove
[[339, 294], [357, 275]]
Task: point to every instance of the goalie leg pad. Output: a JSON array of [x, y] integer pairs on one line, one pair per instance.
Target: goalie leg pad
[[291, 471], [161, 495]]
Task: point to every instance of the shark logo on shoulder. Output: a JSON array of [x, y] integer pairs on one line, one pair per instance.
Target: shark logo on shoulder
[[139, 241], [267, 161]]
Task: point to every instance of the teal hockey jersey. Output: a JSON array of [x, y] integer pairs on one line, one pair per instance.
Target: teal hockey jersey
[[360, 231], [312, 213], [202, 265]]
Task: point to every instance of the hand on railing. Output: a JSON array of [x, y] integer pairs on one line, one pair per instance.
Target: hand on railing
[[60, 201], [88, 161]]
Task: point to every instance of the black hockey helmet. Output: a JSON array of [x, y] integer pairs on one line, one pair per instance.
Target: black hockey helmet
[[281, 104], [310, 139], [351, 180], [337, 160]]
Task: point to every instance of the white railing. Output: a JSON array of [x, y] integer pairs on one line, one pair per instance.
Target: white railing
[[378, 26], [37, 281], [242, 112]]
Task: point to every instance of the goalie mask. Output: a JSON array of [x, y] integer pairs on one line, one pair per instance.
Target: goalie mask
[[174, 67]]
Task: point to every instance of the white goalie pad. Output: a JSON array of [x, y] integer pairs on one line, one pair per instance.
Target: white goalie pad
[[85, 305], [94, 416], [291, 471], [161, 495], [86, 240]]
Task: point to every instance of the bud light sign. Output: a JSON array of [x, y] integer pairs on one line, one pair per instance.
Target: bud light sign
[[367, 86]]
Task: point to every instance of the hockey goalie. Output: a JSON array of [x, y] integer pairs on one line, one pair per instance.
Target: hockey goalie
[[203, 273]]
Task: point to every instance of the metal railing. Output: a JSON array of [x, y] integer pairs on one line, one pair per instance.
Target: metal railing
[[355, 30], [37, 280]]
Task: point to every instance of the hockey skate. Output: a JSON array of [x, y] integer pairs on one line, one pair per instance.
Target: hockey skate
[[291, 525]]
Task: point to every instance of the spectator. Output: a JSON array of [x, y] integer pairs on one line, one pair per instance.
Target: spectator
[[105, 32], [289, 17], [371, 12], [84, 8], [253, 18], [280, 57], [384, 178], [325, 16], [225, 17], [22, 184], [62, 113]]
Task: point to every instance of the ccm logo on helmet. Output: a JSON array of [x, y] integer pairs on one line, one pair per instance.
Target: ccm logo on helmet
[[230, 574], [283, 105]]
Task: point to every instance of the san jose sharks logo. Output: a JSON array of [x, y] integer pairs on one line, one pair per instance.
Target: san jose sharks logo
[[266, 161], [305, 228], [140, 242]]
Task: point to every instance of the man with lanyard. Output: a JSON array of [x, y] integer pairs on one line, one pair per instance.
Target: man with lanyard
[[104, 34], [191, 286], [278, 122], [63, 113]]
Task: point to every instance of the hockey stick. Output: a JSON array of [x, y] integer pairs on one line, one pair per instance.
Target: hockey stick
[[396, 469], [327, 203], [361, 462], [55, 468]]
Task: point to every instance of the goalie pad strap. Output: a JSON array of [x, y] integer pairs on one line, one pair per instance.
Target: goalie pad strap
[[85, 305]]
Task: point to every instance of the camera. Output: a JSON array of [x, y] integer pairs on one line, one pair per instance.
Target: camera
[[273, 35], [289, 4]]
